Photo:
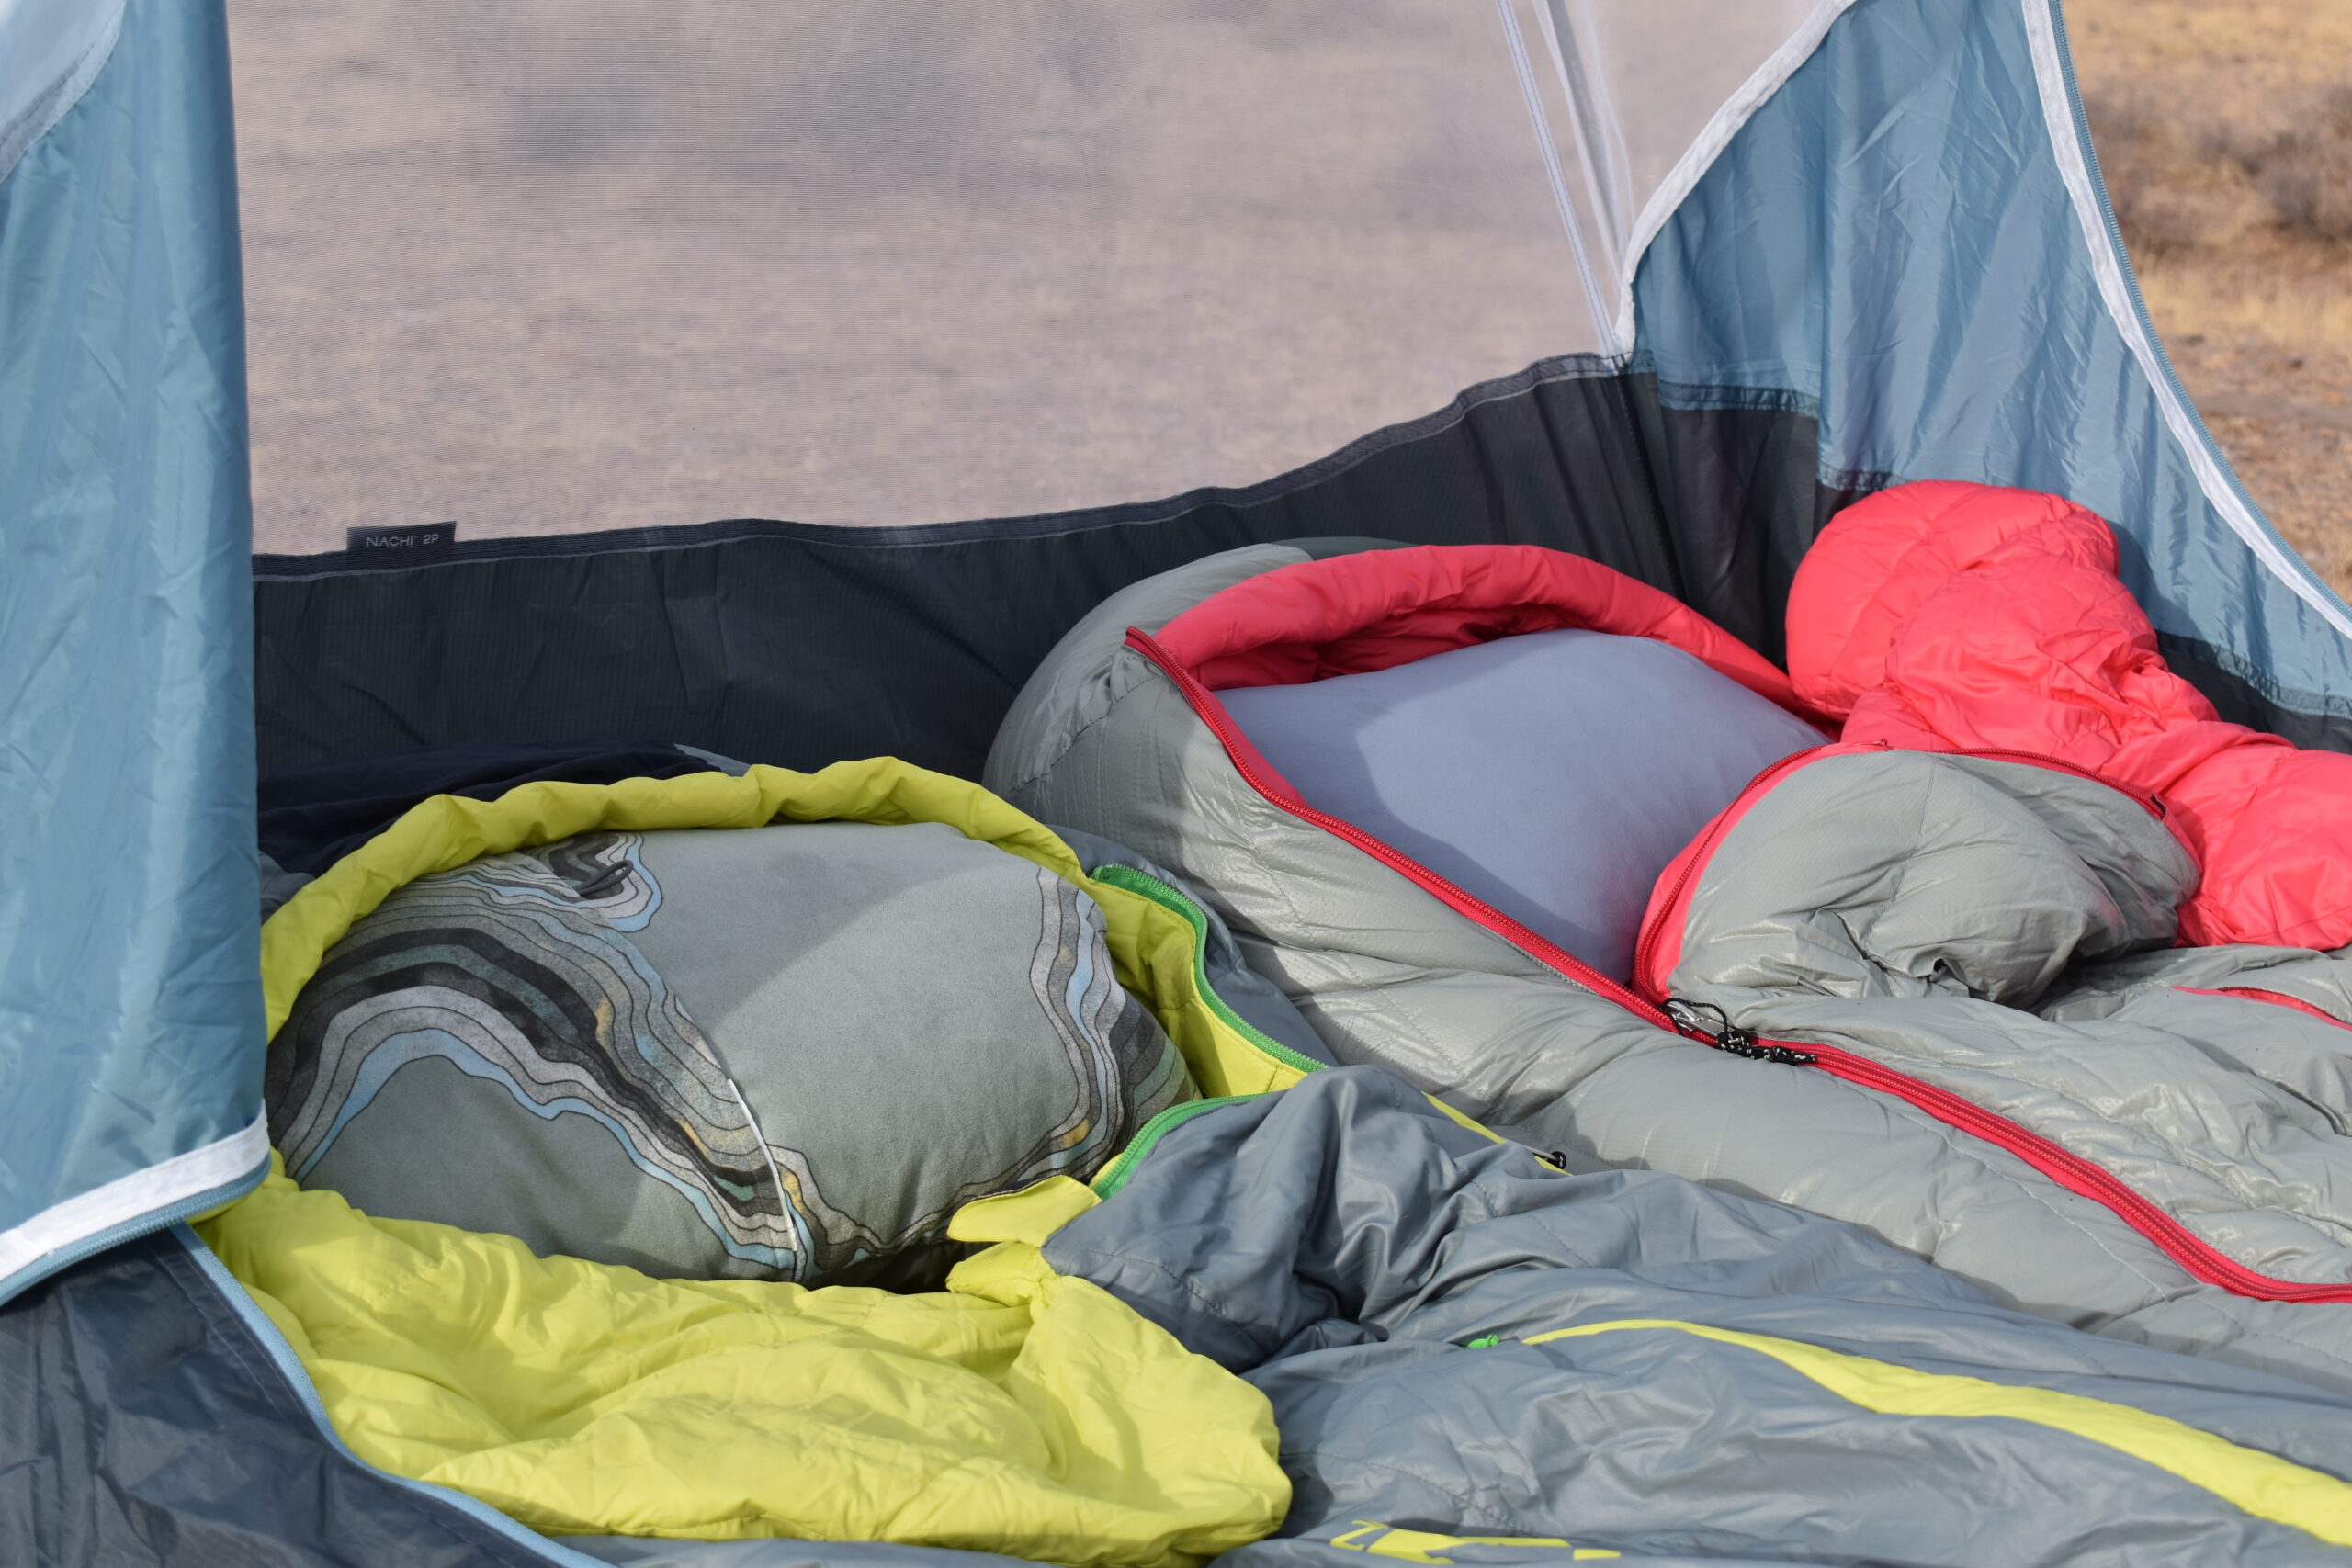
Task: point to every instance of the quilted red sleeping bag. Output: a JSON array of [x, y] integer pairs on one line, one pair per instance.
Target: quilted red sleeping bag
[[1950, 617]]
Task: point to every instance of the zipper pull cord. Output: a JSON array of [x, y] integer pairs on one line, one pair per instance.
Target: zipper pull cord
[[1690, 1020]]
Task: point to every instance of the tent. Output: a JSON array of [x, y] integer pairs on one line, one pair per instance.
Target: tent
[[1022, 306]]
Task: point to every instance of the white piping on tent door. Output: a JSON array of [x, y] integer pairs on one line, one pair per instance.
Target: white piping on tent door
[[145, 1200], [2120, 297], [1709, 144], [1601, 151]]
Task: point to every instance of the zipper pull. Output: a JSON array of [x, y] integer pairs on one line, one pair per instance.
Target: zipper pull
[[1690, 1021], [1684, 1016]]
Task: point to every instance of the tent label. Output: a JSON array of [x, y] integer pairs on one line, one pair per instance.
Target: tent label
[[410, 543]]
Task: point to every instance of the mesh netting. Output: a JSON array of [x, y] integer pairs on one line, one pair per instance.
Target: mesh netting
[[1645, 77], [552, 265]]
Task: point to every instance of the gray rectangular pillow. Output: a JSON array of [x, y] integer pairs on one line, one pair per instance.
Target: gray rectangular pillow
[[1552, 774]]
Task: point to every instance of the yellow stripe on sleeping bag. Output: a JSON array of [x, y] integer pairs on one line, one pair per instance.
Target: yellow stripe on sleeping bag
[[2262, 1484], [1427, 1546]]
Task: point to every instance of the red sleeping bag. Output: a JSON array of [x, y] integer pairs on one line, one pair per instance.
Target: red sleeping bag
[[1949, 616]]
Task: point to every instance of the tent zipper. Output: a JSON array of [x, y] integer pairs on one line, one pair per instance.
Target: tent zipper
[[2198, 1257]]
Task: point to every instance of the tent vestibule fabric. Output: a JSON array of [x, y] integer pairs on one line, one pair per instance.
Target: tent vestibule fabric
[[127, 1012]]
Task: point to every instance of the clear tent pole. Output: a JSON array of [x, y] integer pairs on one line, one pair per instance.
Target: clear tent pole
[[1599, 143], [1602, 317]]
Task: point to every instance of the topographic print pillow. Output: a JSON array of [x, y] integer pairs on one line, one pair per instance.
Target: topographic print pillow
[[787, 1052]]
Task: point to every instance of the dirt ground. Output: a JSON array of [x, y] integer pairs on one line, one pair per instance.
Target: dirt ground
[[556, 266], [2224, 128], [542, 277]]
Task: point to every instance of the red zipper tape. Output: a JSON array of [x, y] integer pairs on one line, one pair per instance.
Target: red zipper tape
[[2198, 1258], [1261, 775], [2269, 999]]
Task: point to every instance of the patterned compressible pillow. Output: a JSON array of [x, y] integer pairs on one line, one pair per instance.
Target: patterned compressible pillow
[[789, 1053]]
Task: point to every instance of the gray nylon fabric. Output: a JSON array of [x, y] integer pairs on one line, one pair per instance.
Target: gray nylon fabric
[[1070, 689], [679, 1051], [1386, 973], [1339, 1245], [1890, 904], [1073, 689], [1899, 875]]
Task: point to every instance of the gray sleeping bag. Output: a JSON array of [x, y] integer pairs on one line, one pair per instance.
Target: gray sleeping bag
[[1969, 958]]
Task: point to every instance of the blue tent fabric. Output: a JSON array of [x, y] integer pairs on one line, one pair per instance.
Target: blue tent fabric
[[1890, 245], [130, 1032], [49, 50]]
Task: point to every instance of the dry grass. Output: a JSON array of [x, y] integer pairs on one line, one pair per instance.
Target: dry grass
[[2225, 130]]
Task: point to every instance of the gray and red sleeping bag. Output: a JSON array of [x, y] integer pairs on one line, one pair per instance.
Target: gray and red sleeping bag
[[1904, 953]]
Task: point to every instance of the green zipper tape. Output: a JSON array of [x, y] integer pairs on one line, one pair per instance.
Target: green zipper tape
[[1128, 879], [1112, 1177]]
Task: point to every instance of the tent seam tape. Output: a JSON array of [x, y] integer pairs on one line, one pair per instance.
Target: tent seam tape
[[130, 1197], [1716, 135], [16, 138], [2117, 294]]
